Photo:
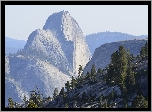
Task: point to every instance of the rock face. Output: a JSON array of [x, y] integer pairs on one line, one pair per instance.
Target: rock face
[[102, 55], [49, 58], [71, 38]]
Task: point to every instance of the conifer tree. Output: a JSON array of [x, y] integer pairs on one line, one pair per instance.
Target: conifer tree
[[10, 103], [146, 48], [131, 77], [67, 86], [105, 105], [66, 105], [140, 102], [113, 69], [73, 83], [55, 92], [36, 98], [100, 102], [88, 76], [80, 70], [31, 104], [99, 71], [123, 62], [93, 72], [62, 92]]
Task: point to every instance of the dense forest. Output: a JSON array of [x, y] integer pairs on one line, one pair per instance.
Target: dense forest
[[125, 71]]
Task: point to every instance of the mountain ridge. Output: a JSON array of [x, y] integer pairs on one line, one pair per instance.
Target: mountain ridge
[[49, 58]]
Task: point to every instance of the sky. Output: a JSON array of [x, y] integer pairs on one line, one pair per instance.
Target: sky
[[22, 20]]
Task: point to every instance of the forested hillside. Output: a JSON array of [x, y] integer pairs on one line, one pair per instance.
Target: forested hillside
[[122, 84]]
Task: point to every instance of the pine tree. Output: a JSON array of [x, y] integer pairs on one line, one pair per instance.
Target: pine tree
[[146, 48], [88, 76], [80, 70], [100, 102], [113, 69], [125, 104], [10, 103], [24, 99], [140, 102], [67, 86], [31, 104], [99, 71], [55, 92], [131, 77], [73, 83], [66, 105], [123, 62], [36, 98], [105, 105], [62, 92], [142, 52], [93, 72]]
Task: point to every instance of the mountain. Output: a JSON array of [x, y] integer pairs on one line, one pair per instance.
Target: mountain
[[97, 39], [102, 55], [94, 90], [51, 56], [13, 45]]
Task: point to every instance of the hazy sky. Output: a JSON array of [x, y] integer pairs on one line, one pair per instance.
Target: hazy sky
[[22, 20]]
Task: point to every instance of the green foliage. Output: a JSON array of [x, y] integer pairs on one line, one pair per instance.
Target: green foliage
[[73, 83], [10, 103], [118, 66], [93, 72], [67, 86], [31, 104], [62, 92], [55, 92], [100, 102], [25, 98], [36, 98], [99, 71], [105, 105], [130, 79], [140, 102], [144, 50], [88, 76], [80, 70], [66, 105]]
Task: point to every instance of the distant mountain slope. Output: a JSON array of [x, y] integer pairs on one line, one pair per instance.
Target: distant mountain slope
[[98, 39], [101, 57], [13, 45]]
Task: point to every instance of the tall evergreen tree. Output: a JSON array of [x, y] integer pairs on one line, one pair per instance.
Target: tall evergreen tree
[[88, 76], [31, 104], [67, 86], [62, 92], [73, 83], [55, 92], [10, 103], [80, 70], [99, 71], [93, 72], [140, 102], [123, 62]]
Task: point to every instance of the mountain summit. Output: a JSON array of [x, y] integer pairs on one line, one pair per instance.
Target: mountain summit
[[68, 40], [50, 58]]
